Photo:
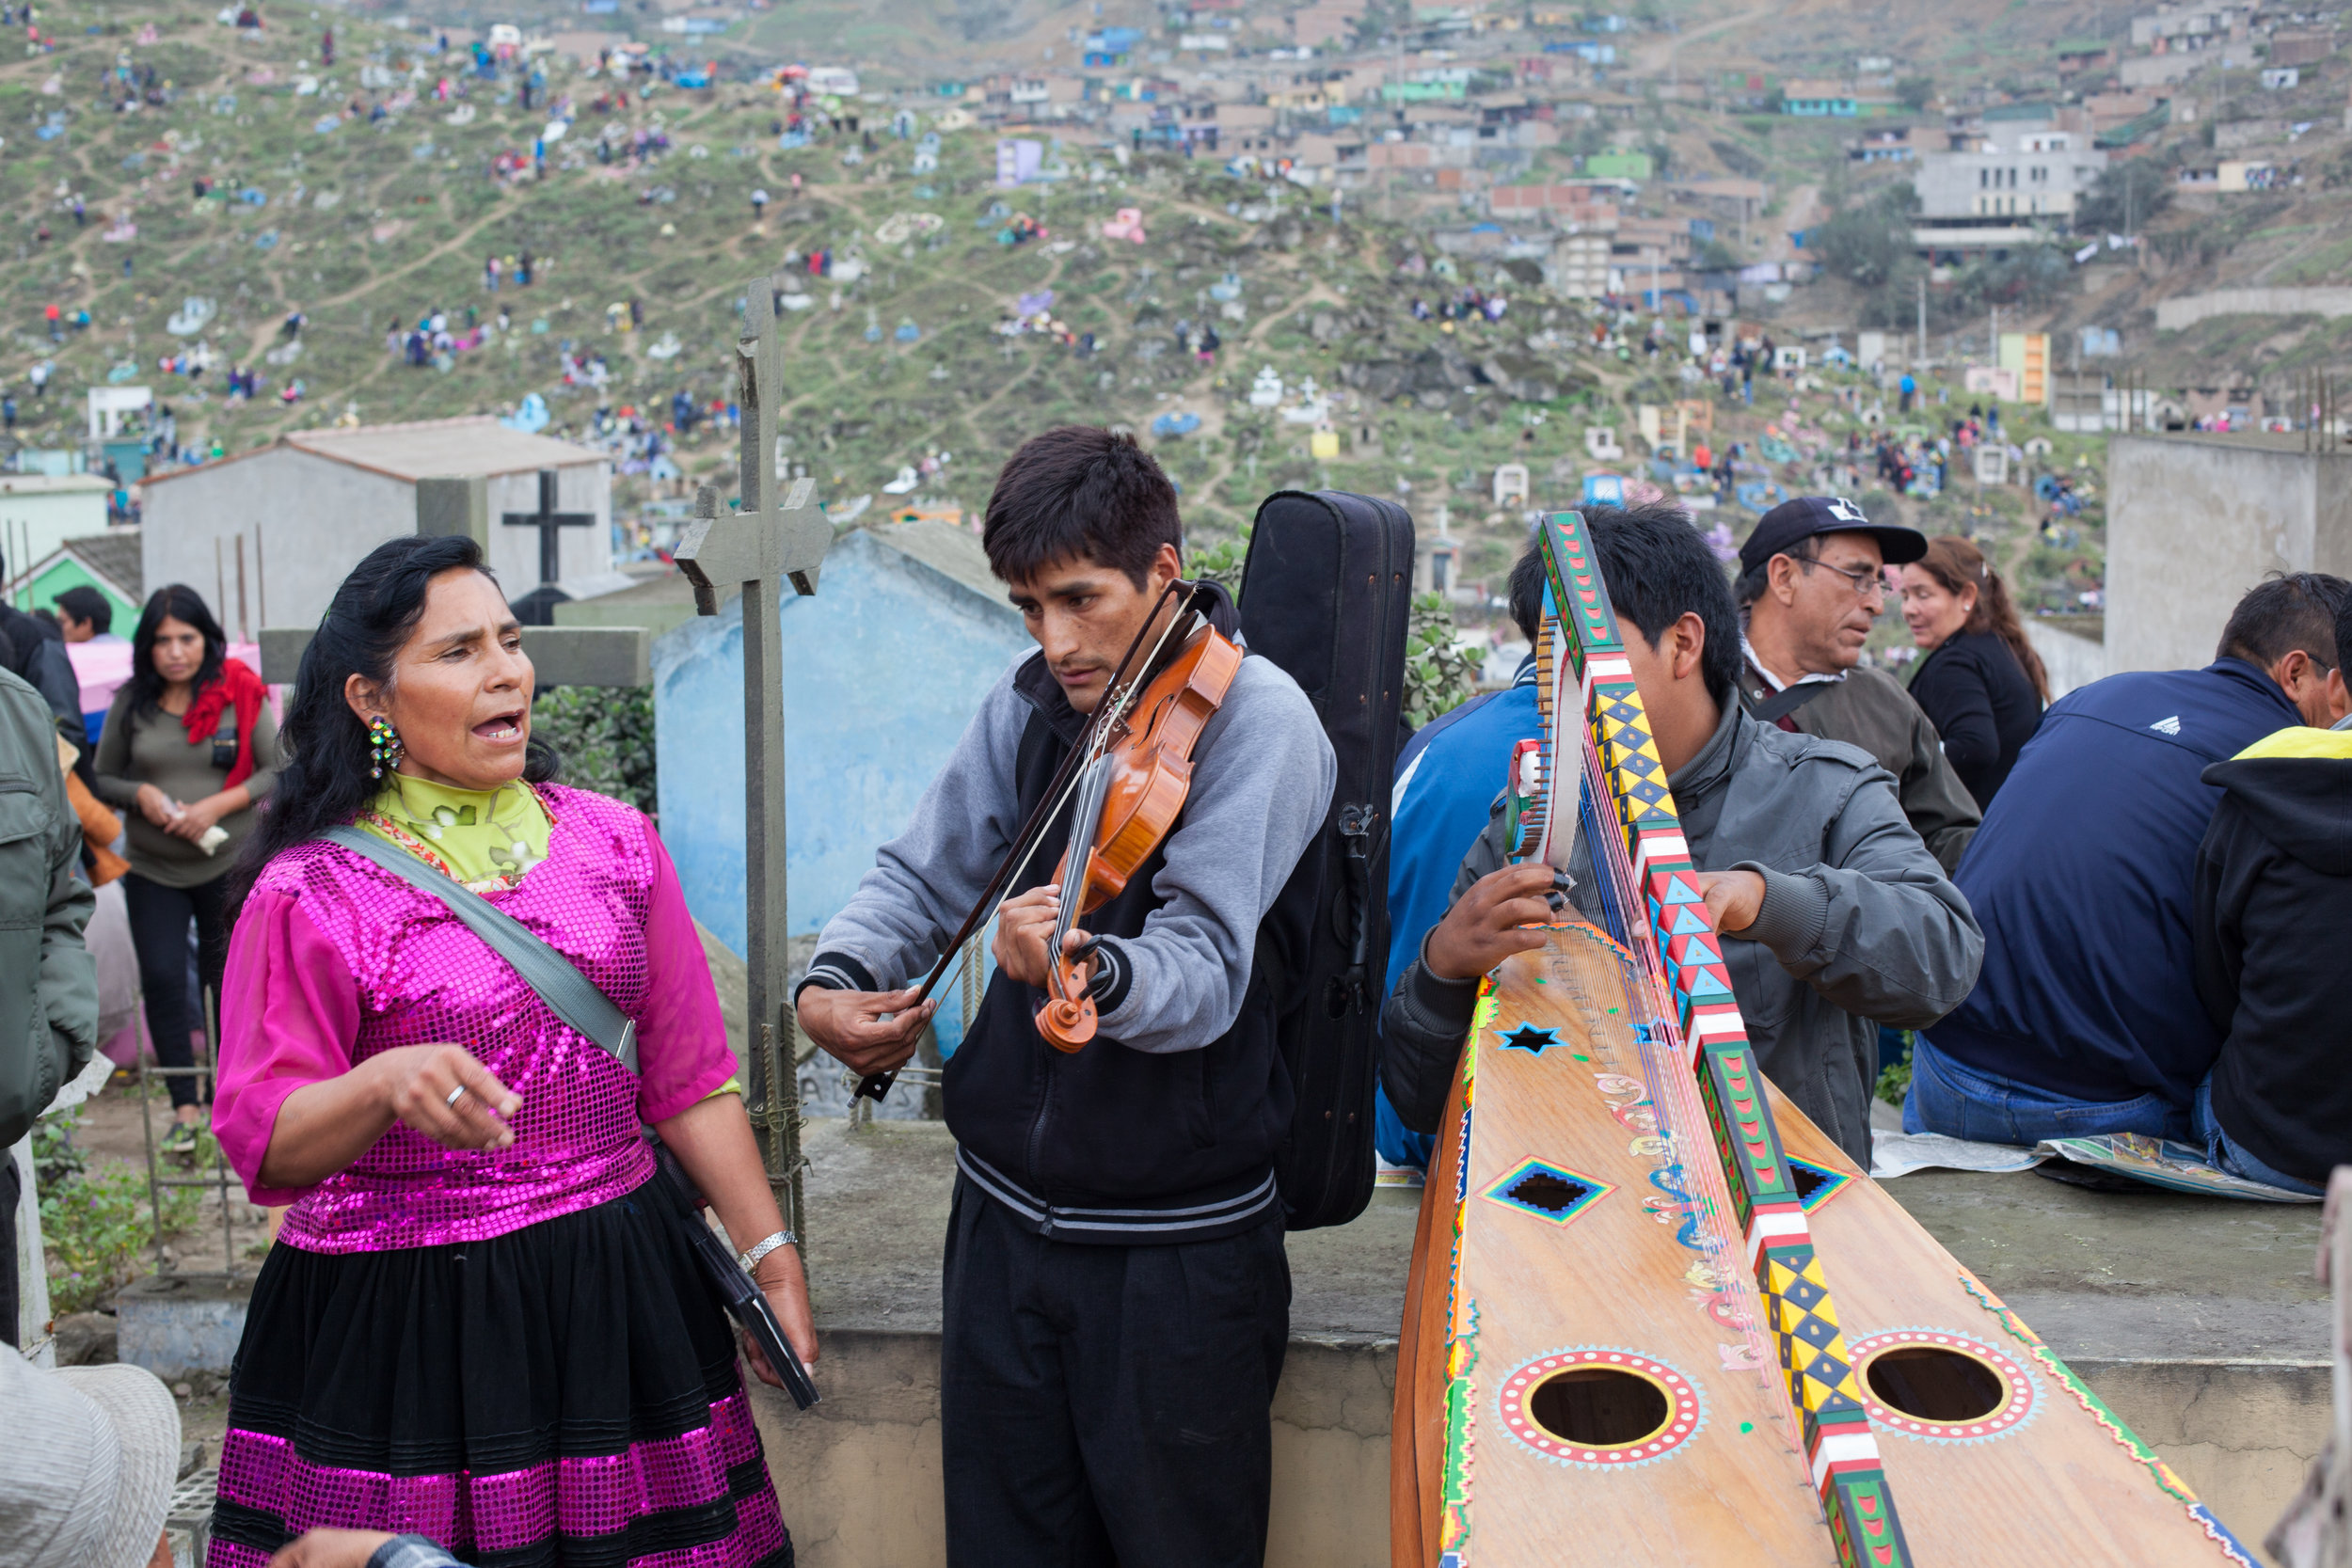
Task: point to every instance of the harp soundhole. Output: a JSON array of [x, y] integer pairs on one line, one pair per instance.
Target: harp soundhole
[[1601, 1407], [1933, 1385], [1555, 1194]]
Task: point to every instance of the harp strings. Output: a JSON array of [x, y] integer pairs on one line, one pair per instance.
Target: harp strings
[[1688, 1165]]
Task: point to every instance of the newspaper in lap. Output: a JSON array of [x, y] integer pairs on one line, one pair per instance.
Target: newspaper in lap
[[2161, 1162]]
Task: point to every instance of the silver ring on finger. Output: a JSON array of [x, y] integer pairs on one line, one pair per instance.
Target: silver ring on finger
[[454, 1096]]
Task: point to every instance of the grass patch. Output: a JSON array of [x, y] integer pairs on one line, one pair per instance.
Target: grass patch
[[94, 1227]]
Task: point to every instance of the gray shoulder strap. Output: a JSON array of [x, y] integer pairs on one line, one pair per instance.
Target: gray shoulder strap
[[566, 991]]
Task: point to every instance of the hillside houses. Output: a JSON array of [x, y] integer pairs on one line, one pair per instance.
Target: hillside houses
[[1456, 132]]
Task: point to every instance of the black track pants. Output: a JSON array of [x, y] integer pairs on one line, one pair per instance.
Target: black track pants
[[1107, 1404]]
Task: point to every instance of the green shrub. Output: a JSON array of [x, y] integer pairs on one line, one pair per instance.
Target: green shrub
[[1439, 674], [94, 1227], [605, 735]]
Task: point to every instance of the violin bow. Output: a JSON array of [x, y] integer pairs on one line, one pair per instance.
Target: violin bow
[[1117, 701]]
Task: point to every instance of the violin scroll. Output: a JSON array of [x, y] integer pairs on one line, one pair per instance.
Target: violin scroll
[[1068, 1019]]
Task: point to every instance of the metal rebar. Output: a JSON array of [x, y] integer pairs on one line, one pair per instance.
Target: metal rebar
[[212, 1049], [221, 1178], [155, 1186]]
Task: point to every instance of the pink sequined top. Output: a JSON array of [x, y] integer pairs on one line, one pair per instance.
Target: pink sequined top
[[334, 959]]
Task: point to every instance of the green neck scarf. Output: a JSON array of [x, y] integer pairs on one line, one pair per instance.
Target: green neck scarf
[[493, 836]]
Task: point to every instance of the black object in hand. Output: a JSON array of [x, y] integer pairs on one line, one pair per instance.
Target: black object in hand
[[738, 1291]]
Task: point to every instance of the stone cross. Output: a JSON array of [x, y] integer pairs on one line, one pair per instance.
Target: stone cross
[[551, 524], [762, 545]]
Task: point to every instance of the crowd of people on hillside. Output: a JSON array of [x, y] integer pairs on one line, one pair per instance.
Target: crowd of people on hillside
[[1466, 304]]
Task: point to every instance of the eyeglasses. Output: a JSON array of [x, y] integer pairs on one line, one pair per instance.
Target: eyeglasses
[[1867, 581]]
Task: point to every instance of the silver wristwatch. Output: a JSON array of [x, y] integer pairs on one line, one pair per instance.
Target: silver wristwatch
[[751, 1260]]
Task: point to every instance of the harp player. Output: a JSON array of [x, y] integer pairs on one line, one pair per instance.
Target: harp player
[[1838, 917]]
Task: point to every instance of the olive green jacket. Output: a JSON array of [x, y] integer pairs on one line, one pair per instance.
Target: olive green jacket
[[48, 982]]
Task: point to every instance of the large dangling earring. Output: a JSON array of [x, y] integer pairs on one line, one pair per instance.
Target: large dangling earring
[[384, 747]]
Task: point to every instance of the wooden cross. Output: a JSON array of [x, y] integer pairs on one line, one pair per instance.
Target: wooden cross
[[761, 545], [551, 524]]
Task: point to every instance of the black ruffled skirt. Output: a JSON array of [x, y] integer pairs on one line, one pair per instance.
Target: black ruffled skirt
[[565, 1394]]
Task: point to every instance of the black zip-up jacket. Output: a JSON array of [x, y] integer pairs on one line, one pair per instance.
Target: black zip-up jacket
[[1984, 706], [1164, 1127], [2273, 923]]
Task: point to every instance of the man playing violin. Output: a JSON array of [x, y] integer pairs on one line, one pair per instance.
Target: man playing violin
[[1117, 1299]]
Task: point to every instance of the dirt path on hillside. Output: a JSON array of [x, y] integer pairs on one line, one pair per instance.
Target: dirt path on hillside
[[1673, 46], [1802, 210]]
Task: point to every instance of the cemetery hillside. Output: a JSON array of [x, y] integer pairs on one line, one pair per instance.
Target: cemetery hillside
[[1943, 897], [363, 219]]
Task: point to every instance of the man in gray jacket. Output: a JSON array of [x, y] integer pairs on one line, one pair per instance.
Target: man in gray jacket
[[1839, 919], [48, 983]]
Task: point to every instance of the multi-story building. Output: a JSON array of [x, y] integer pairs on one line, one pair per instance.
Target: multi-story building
[[2033, 174], [1896, 144], [2191, 25], [1580, 265]]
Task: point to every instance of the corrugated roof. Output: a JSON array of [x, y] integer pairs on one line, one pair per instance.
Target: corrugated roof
[[115, 556], [474, 445]]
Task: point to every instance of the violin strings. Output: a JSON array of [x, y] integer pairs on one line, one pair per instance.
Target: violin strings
[[1114, 709], [1087, 816]]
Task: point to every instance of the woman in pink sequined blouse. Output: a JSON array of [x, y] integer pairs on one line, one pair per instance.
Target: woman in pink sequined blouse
[[478, 1324]]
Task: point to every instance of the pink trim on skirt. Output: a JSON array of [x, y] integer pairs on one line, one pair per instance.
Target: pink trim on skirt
[[514, 1509]]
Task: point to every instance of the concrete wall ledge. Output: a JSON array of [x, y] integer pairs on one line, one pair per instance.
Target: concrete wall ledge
[[2190, 1319], [860, 1475], [2185, 311]]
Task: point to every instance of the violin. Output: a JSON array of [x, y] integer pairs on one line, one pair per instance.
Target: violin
[[1129, 775], [1127, 803]]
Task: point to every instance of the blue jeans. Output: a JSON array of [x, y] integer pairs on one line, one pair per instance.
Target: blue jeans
[[1962, 1102], [1396, 1142], [2230, 1155]]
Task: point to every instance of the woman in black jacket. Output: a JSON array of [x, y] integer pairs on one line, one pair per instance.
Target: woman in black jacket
[[1981, 682]]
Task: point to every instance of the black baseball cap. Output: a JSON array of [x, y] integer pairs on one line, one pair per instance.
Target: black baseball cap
[[1804, 516]]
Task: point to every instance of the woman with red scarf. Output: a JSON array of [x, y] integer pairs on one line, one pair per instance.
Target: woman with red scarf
[[188, 749]]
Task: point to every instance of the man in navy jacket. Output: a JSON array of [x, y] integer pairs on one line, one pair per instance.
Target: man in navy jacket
[[2085, 1017]]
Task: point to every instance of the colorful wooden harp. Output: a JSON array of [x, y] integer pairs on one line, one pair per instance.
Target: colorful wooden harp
[[1655, 1316]]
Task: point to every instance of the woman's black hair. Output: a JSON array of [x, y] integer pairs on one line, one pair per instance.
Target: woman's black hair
[[174, 601], [326, 781]]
